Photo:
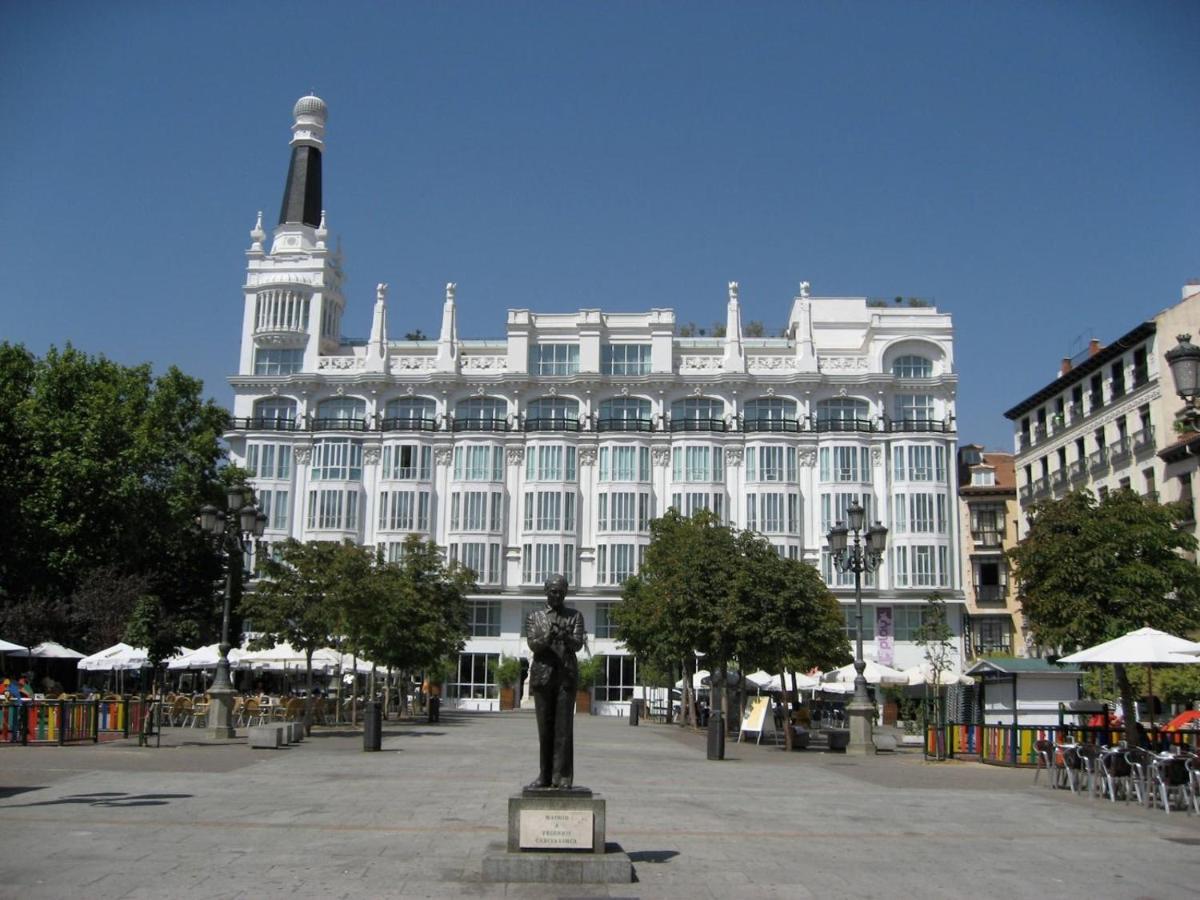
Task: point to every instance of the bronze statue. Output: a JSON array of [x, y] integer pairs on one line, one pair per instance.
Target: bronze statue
[[555, 633]]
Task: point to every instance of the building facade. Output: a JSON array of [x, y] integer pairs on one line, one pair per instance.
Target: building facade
[[551, 450], [1102, 424], [987, 503]]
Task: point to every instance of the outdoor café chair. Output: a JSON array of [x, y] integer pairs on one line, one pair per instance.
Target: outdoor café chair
[[1116, 772], [1072, 766], [1170, 776], [1192, 764], [198, 717], [1140, 760], [1045, 760], [1089, 763], [180, 710]]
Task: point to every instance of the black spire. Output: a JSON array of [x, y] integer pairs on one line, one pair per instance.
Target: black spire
[[302, 192]]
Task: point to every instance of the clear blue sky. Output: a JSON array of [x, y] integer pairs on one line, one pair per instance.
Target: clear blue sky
[[1032, 167]]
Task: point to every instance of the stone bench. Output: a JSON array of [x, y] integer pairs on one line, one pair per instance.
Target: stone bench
[[885, 743], [838, 739], [267, 737], [295, 732]]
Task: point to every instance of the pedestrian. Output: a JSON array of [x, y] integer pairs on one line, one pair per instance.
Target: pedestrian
[[18, 698]]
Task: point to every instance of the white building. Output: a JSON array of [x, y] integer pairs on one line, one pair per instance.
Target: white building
[[552, 449]]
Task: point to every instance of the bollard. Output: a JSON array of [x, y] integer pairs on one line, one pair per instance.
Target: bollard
[[716, 736], [433, 709], [372, 725], [635, 712]]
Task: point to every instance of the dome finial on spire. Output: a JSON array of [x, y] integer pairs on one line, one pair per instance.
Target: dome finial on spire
[[302, 192]]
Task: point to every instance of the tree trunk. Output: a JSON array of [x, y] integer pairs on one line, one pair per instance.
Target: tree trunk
[[670, 693], [691, 713], [719, 694], [1127, 704], [309, 692], [787, 719]]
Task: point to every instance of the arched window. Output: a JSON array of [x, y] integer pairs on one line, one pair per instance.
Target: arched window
[[276, 413], [912, 366], [698, 414], [625, 414], [410, 414], [770, 414], [552, 414], [481, 414], [844, 414], [342, 413]]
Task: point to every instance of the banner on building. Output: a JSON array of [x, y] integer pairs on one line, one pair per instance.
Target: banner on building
[[885, 636]]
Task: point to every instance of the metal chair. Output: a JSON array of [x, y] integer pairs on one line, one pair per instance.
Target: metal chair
[[1192, 763], [1045, 754], [1116, 772], [1140, 761], [1170, 776], [1072, 766], [1089, 764]]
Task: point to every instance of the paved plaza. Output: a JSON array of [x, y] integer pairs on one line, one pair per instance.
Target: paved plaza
[[324, 819]]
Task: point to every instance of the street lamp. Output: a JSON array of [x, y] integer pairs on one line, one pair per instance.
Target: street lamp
[[232, 532], [852, 550], [1184, 360]]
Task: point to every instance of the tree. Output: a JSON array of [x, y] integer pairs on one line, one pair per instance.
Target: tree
[[1090, 571], [417, 335], [754, 328], [102, 469], [150, 627], [302, 596]]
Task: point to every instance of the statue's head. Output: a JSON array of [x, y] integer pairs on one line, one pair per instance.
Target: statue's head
[[556, 591]]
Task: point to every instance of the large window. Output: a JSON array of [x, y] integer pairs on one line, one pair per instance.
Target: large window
[[273, 361], [698, 409], [477, 511], [550, 462], [912, 367], [920, 462], [623, 511], [616, 563], [605, 626], [919, 513], [625, 414], [541, 560], [406, 462], [624, 463], [342, 409], [549, 411], [404, 510], [275, 410], [269, 460], [845, 463], [688, 503], [835, 504], [554, 359], [769, 413], [771, 464], [411, 410], [481, 410], [914, 408], [697, 463], [476, 677], [274, 504], [849, 613], [333, 509], [485, 617], [772, 513], [920, 566], [625, 359], [478, 462], [337, 459], [617, 679], [481, 557], [843, 414], [549, 510]]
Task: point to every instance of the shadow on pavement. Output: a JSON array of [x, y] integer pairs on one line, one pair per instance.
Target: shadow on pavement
[[111, 799]]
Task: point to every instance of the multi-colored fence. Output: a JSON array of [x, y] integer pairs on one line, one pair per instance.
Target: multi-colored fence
[[71, 721], [1008, 745]]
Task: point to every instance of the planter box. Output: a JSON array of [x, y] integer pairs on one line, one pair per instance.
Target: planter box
[[508, 698], [583, 703]]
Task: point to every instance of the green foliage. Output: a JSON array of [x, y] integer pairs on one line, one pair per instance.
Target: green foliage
[[150, 627], [935, 636], [1172, 684], [754, 328], [102, 470], [1091, 571], [441, 671], [508, 672], [590, 669]]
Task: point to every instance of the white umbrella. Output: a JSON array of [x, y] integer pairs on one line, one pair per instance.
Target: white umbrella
[[285, 656], [118, 657], [765, 681], [1146, 646], [924, 674], [875, 673], [53, 650], [203, 658], [9, 647]]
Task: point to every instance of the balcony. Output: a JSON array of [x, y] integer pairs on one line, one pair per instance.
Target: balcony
[[1143, 441], [987, 537], [990, 594], [624, 425], [552, 424], [1041, 487], [491, 424], [998, 648], [1077, 470], [259, 423], [1039, 431], [1095, 400], [920, 425], [1076, 410], [773, 425], [718, 425], [1098, 459], [1026, 491], [1121, 450], [1058, 478], [408, 423], [844, 425], [337, 424]]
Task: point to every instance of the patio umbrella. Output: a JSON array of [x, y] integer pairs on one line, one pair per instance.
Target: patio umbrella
[[765, 681], [10, 647], [924, 674], [203, 658], [54, 650], [1145, 646], [875, 673], [119, 657]]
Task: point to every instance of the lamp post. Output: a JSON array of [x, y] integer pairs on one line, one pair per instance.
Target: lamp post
[[854, 551], [1184, 360], [232, 532]]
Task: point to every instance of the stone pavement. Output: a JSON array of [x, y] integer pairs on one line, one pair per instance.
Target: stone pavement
[[324, 819]]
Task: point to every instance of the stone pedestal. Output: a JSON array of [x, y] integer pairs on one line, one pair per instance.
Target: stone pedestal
[[859, 719], [558, 837], [220, 714]]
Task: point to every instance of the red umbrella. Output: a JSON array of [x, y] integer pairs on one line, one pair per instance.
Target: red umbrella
[[1184, 718]]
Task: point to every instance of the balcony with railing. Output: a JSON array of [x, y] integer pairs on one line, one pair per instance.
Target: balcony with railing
[[990, 594], [1058, 478], [1121, 450], [1143, 441], [1098, 459], [480, 424], [263, 423], [1076, 410], [687, 424], [822, 426], [1041, 486], [939, 426], [1077, 469], [1024, 440], [337, 424], [408, 423], [987, 537], [772, 425], [557, 423], [998, 648], [624, 425]]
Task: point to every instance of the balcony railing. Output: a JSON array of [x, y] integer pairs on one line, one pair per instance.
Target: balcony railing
[[337, 424], [1026, 491], [408, 423], [698, 425], [991, 594], [1121, 449], [776, 425], [479, 425], [1098, 459], [1076, 410], [259, 423], [927, 425], [1039, 431], [1058, 477], [852, 425], [624, 425], [999, 648], [552, 424], [986, 537], [1144, 440], [1077, 469]]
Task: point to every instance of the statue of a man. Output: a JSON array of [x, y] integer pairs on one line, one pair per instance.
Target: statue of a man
[[555, 633]]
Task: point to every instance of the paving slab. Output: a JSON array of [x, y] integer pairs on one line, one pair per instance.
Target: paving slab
[[326, 819]]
